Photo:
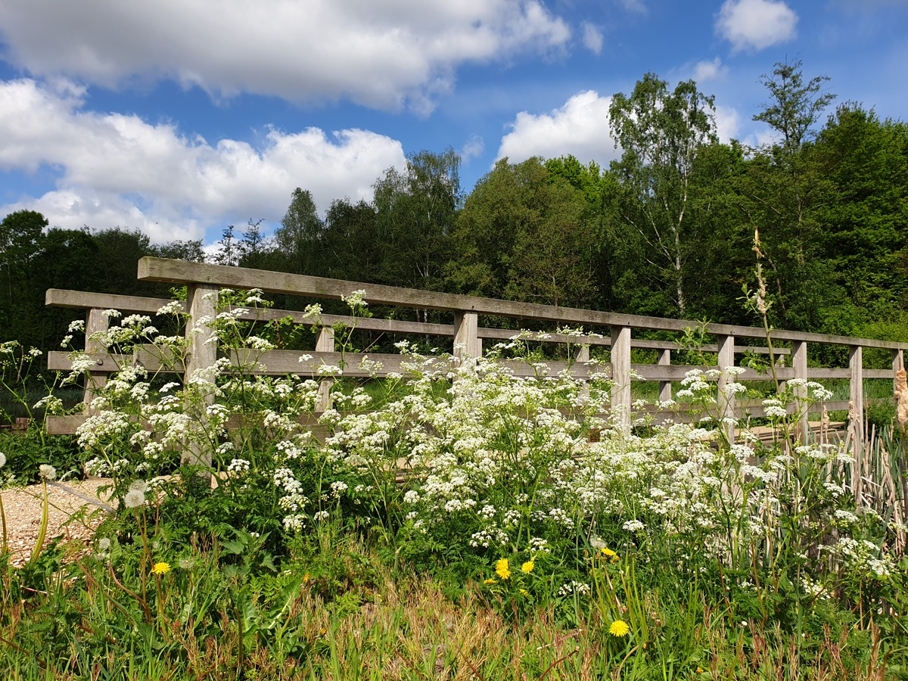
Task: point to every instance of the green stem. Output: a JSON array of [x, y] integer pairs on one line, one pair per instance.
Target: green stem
[[42, 531]]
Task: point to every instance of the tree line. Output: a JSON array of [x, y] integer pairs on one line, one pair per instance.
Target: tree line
[[672, 228]]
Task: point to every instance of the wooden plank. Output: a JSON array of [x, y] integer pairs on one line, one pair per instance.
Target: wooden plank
[[104, 362], [103, 301], [676, 372], [543, 337], [150, 357], [183, 272], [156, 359], [64, 425], [283, 362]]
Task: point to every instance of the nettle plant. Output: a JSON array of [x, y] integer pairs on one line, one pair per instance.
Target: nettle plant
[[463, 464]]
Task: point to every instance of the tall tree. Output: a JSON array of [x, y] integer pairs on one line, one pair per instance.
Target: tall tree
[[255, 251], [21, 241], [415, 213], [298, 241], [794, 106], [228, 252], [190, 250], [527, 234], [660, 133], [352, 247], [780, 192], [863, 228]]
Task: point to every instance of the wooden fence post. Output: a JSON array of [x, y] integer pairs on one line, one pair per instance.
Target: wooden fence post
[[466, 339], [856, 418], [621, 376], [95, 322], [324, 342], [665, 387], [726, 402], [898, 363], [202, 354], [799, 363]]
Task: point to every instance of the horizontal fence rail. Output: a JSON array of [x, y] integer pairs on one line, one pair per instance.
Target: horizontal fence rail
[[468, 338]]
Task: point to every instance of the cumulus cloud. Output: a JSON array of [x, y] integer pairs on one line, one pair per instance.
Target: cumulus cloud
[[115, 169], [709, 70], [380, 53], [580, 127], [592, 38], [756, 24]]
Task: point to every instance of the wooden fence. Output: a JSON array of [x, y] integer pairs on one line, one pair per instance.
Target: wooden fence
[[617, 333]]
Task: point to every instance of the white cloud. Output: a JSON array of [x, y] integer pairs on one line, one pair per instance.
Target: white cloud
[[727, 123], [580, 127], [379, 53], [633, 6], [473, 148], [119, 170], [709, 70], [756, 24], [592, 38]]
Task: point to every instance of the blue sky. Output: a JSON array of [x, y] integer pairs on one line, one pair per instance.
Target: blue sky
[[180, 117]]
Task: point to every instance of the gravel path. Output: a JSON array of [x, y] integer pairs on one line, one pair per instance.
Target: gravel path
[[70, 516]]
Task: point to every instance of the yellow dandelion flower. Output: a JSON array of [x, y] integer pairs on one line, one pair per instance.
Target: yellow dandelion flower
[[524, 592], [528, 567], [490, 581], [160, 568], [619, 628], [502, 568]]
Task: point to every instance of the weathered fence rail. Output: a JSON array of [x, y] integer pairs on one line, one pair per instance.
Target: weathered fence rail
[[468, 336]]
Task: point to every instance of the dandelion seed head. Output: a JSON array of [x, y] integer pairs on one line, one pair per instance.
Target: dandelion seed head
[[134, 499]]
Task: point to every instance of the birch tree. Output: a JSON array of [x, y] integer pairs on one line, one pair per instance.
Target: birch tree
[[660, 133]]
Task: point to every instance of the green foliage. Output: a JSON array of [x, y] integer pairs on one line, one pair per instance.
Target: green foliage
[[794, 106], [661, 134], [526, 233]]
